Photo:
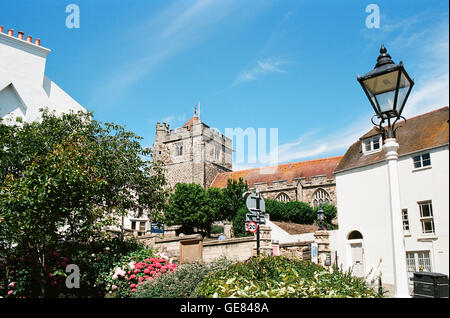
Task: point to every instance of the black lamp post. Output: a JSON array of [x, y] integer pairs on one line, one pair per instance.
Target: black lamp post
[[387, 87], [320, 217]]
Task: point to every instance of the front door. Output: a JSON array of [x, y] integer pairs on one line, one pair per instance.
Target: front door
[[357, 259]]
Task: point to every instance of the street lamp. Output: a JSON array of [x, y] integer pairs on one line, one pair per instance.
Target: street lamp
[[320, 217], [387, 87]]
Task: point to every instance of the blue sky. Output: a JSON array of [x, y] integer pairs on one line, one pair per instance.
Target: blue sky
[[283, 64]]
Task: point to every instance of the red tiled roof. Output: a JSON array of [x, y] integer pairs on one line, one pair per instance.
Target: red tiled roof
[[194, 120], [421, 132], [287, 171]]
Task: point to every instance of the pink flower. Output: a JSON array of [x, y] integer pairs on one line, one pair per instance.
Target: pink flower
[[137, 271], [133, 276], [113, 287], [10, 292], [152, 273], [147, 277], [133, 290], [140, 278], [133, 285], [12, 284], [146, 271]]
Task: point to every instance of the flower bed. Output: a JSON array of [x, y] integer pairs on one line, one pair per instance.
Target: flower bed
[[135, 270]]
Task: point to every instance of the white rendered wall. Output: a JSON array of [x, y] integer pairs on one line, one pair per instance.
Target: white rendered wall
[[363, 205]]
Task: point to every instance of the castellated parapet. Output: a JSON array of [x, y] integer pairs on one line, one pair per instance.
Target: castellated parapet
[[192, 153]]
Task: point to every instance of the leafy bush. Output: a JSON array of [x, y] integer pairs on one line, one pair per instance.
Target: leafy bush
[[181, 283], [282, 277], [134, 269], [292, 211], [329, 212], [239, 223]]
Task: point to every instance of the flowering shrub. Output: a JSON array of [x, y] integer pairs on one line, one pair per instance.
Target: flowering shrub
[[25, 279], [180, 283], [135, 270]]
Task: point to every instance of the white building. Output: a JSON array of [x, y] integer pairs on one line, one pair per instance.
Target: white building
[[24, 87], [364, 236]]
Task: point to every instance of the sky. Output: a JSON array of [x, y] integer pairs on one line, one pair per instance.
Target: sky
[[291, 65]]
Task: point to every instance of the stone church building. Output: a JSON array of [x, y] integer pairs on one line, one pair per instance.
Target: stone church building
[[196, 153]]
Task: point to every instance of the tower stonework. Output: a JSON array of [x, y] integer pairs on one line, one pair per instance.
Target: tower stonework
[[194, 153]]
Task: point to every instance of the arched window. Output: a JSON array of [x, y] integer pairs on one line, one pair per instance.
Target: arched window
[[355, 235], [320, 197], [283, 197]]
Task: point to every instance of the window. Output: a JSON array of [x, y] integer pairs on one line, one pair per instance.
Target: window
[[133, 225], [320, 197], [422, 160], [371, 144], [418, 261], [179, 149], [217, 152], [426, 217], [405, 220], [283, 197]]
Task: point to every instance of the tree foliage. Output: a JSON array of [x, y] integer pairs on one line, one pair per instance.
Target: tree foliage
[[292, 211], [66, 177]]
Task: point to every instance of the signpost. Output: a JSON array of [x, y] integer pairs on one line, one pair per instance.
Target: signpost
[[256, 205], [156, 227], [314, 253]]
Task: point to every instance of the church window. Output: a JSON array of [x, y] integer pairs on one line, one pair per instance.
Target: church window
[[179, 149], [283, 197], [217, 152], [321, 197]]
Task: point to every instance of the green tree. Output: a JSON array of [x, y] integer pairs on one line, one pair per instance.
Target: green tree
[[66, 177], [190, 206], [233, 198]]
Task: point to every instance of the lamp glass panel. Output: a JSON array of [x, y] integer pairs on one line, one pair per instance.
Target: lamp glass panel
[[403, 90], [382, 89]]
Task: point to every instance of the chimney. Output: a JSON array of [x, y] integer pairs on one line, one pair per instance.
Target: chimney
[[28, 38], [37, 41], [1, 28], [20, 35], [11, 32]]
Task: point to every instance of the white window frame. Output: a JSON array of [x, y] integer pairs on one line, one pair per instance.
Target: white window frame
[[372, 141], [421, 161], [417, 261], [405, 221], [426, 219]]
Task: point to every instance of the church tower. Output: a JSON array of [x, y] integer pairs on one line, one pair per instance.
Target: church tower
[[193, 153]]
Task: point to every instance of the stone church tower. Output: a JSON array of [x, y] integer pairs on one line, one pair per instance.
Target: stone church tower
[[194, 153]]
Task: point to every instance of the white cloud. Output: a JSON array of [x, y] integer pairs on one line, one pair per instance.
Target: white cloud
[[263, 67]]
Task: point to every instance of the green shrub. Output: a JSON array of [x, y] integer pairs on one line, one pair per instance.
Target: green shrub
[[292, 211], [180, 283], [239, 223], [329, 212], [282, 277]]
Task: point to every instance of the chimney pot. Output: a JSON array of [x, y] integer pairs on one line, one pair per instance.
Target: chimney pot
[[20, 35], [37, 41], [11, 32], [28, 38], [1, 28]]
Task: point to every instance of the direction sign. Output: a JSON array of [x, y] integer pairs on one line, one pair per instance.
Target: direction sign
[[252, 202], [251, 227], [253, 217]]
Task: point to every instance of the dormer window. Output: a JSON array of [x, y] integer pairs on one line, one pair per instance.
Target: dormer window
[[371, 144]]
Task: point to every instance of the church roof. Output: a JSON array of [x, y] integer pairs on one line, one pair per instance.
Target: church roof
[[287, 171], [194, 120], [417, 133]]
